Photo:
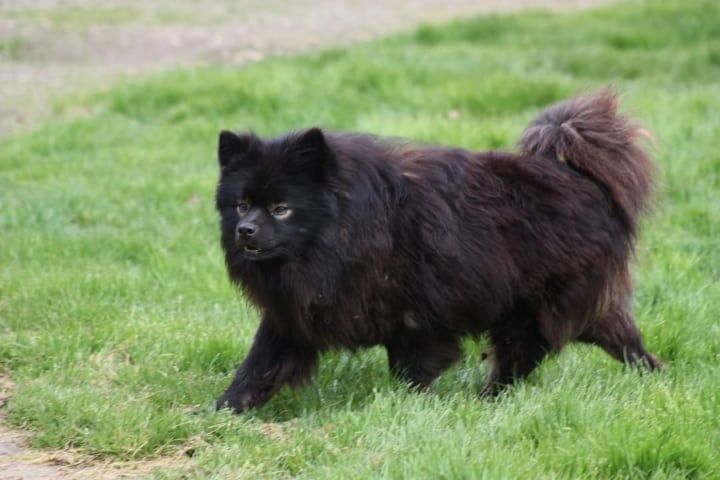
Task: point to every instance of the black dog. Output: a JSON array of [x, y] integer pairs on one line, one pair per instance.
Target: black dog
[[348, 240]]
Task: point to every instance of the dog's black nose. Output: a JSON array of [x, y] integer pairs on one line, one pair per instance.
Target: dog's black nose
[[247, 229]]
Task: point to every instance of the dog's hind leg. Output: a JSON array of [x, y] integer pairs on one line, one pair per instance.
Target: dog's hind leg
[[518, 347], [419, 357], [616, 333]]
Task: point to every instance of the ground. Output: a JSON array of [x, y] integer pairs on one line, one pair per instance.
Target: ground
[[119, 328]]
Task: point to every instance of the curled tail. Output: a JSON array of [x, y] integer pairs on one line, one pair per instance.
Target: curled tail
[[589, 134]]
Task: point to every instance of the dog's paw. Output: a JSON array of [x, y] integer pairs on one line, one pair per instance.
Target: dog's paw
[[241, 398], [237, 402]]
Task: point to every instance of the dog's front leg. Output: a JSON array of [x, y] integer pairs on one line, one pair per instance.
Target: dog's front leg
[[273, 361]]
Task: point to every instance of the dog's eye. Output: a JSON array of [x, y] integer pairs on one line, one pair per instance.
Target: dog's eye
[[243, 207], [281, 210]]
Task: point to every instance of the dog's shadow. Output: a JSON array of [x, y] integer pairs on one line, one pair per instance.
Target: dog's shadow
[[350, 382]]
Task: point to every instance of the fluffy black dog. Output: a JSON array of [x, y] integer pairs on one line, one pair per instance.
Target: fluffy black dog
[[348, 240]]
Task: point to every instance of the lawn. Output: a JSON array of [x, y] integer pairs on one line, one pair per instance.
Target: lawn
[[120, 328]]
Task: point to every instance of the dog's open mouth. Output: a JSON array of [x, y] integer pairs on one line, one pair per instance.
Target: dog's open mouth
[[253, 252]]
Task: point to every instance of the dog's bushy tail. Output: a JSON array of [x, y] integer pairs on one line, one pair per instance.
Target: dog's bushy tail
[[589, 134]]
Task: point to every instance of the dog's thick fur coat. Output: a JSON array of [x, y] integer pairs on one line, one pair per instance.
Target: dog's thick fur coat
[[414, 247]]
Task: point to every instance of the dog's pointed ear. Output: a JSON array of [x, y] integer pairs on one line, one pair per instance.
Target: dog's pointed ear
[[233, 145], [312, 139], [310, 153]]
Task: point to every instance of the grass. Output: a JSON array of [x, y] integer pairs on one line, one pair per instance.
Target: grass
[[82, 17], [76, 17], [120, 328], [11, 48]]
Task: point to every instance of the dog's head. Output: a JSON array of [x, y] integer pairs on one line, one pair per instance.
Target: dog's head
[[273, 196]]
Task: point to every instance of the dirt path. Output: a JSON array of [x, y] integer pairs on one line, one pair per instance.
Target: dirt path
[[18, 462], [56, 46], [49, 47]]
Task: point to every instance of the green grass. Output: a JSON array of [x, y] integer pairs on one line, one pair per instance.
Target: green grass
[[75, 16], [86, 15], [120, 328], [12, 48]]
